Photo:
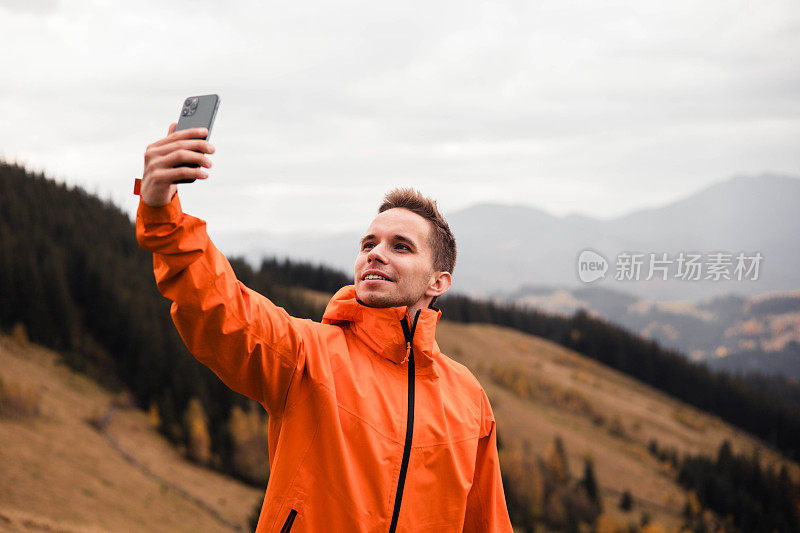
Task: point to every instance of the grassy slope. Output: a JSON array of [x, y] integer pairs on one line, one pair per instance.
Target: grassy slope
[[58, 473], [621, 459]]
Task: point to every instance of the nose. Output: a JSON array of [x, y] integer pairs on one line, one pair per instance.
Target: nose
[[375, 254]]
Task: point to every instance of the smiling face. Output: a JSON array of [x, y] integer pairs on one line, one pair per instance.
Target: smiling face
[[394, 266]]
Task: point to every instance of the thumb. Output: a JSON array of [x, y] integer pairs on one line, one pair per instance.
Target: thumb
[[172, 128]]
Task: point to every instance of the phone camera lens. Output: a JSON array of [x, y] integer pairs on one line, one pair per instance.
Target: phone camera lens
[[185, 112], [188, 102]]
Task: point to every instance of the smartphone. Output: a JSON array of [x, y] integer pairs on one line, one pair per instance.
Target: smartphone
[[197, 112]]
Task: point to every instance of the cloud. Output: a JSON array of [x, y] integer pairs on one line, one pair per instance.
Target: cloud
[[37, 7], [554, 103]]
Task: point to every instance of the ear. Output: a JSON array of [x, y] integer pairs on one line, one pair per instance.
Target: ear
[[439, 284]]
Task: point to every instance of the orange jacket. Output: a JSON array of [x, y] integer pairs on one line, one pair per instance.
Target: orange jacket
[[371, 427]]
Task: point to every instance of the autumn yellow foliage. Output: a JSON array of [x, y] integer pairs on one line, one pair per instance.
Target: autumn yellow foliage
[[198, 438], [248, 430]]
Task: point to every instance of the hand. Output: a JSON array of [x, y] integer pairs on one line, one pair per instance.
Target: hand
[[160, 158]]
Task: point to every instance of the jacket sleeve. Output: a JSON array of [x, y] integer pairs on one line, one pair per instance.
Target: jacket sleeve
[[486, 501], [254, 346]]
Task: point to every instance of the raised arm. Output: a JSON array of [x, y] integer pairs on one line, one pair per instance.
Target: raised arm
[[254, 346]]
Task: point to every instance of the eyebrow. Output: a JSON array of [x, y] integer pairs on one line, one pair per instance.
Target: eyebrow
[[397, 237]]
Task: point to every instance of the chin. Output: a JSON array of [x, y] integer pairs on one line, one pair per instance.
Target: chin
[[376, 299]]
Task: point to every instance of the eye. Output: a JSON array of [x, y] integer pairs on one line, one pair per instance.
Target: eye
[[401, 245], [366, 245]]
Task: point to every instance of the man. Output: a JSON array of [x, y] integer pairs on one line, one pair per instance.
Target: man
[[371, 427]]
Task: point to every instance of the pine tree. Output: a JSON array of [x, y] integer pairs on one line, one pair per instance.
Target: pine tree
[[589, 482]]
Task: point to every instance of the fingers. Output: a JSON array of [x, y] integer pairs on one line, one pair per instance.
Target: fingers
[[191, 133], [197, 145], [162, 158], [177, 157], [170, 175]]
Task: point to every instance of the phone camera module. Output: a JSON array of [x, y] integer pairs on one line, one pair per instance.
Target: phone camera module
[[189, 107]]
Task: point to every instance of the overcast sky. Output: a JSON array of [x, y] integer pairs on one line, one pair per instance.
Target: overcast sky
[[597, 108]]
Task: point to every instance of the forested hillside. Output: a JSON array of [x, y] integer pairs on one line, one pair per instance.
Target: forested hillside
[[743, 402], [73, 275]]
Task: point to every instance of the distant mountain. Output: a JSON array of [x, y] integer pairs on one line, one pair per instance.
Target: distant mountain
[[736, 333], [503, 248], [785, 362], [337, 250]]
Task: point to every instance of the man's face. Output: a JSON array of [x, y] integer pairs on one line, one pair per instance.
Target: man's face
[[397, 249]]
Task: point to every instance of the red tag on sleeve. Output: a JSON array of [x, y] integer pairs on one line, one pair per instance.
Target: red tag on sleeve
[[137, 186]]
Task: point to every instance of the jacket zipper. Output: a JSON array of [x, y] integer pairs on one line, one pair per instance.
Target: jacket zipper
[[409, 334], [287, 526]]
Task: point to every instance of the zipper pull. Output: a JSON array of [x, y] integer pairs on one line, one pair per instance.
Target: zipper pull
[[408, 349]]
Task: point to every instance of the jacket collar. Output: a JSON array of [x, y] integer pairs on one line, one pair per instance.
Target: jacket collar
[[381, 328]]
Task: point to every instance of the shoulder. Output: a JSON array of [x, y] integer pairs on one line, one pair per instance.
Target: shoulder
[[455, 370], [317, 331], [459, 380], [454, 374]]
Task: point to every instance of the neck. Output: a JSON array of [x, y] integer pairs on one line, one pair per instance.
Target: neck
[[412, 310]]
